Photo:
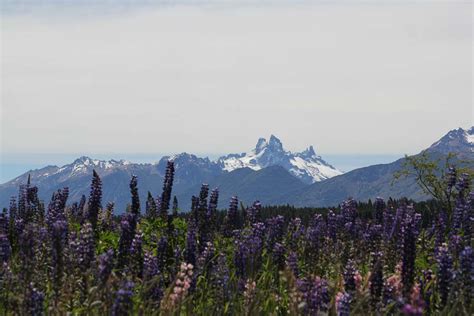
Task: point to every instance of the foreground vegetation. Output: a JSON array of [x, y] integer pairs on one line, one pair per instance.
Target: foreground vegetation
[[360, 258]]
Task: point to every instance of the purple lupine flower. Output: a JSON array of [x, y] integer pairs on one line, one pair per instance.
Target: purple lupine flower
[[220, 278], [232, 217], [4, 222], [212, 209], [258, 231], [167, 188], [153, 289], [468, 220], [5, 249], [292, 263], [409, 254], [349, 277], [343, 304], [458, 216], [445, 273], [295, 232], [205, 257], [274, 233], [349, 210], [34, 301], [55, 210], [7, 277], [63, 197], [162, 252], [395, 232], [253, 213], [380, 207], [106, 264], [388, 219], [191, 244], [376, 279], [123, 304], [86, 246], [58, 243], [440, 229], [451, 177], [332, 225], [202, 227], [314, 237], [315, 295], [13, 209], [455, 245], [278, 256], [150, 265], [203, 194], [22, 201], [127, 233], [425, 280], [373, 236], [391, 288], [248, 248], [177, 260], [194, 208], [240, 258], [203, 264], [467, 274], [136, 254], [135, 207], [26, 242], [107, 220], [73, 252], [463, 183], [95, 200]]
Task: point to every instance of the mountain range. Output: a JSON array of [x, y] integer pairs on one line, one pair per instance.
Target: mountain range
[[268, 173]]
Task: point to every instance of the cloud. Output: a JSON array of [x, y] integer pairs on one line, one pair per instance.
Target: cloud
[[346, 78]]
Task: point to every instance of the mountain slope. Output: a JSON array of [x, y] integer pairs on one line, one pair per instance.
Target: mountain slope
[[361, 184], [306, 165], [378, 180], [265, 185]]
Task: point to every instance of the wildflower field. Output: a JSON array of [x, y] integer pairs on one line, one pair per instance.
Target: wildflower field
[[81, 259]]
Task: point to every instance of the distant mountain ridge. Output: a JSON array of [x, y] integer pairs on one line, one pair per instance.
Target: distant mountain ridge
[[191, 171], [268, 173]]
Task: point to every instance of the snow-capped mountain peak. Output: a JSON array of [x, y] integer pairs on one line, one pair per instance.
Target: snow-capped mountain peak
[[459, 140], [305, 165]]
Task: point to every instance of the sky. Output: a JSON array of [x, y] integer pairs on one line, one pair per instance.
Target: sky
[[349, 77]]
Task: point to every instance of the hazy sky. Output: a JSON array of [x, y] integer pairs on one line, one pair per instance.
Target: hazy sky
[[345, 77]]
